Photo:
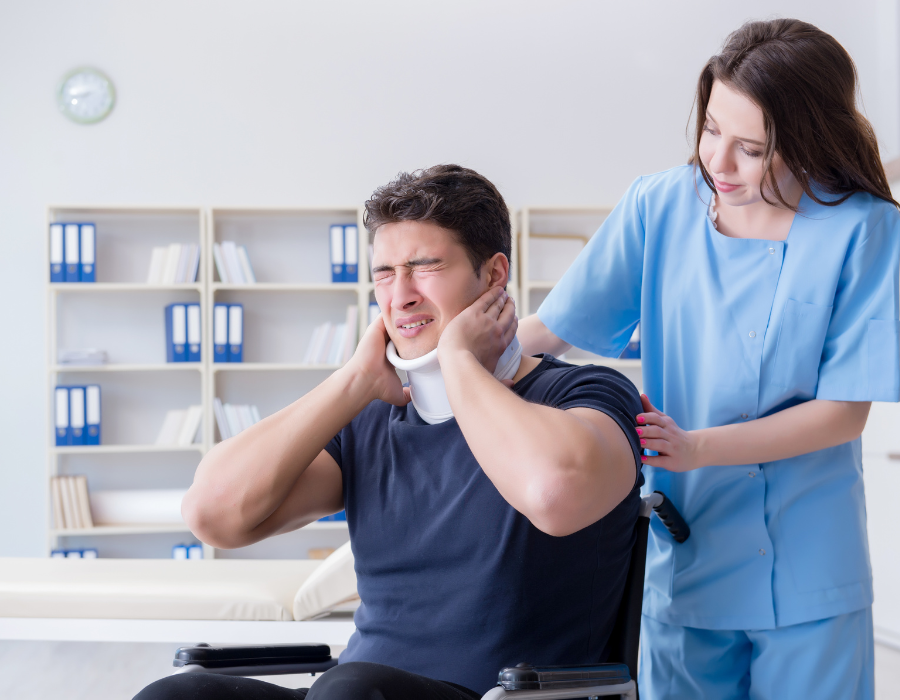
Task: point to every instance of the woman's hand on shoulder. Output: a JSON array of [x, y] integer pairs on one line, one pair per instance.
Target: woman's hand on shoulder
[[678, 449]]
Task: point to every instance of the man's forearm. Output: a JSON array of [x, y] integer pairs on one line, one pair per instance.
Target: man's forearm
[[241, 481], [554, 468], [807, 427]]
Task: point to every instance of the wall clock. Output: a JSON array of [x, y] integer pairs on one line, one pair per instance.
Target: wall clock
[[86, 96]]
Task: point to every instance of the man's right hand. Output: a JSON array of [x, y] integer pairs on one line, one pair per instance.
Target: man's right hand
[[370, 366]]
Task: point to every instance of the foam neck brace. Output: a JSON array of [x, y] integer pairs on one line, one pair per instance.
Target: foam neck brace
[[426, 383]]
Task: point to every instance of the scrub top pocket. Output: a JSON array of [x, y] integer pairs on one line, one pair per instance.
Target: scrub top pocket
[[800, 344]]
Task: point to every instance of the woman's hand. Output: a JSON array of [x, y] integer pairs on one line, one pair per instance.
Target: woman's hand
[[677, 448], [485, 329], [369, 365]]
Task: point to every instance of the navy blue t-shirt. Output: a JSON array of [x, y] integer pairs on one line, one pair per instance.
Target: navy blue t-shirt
[[455, 583]]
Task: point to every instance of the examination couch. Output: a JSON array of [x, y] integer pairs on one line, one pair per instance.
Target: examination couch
[[166, 600], [616, 677]]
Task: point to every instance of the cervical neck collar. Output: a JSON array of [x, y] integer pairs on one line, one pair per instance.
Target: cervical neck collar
[[426, 383]]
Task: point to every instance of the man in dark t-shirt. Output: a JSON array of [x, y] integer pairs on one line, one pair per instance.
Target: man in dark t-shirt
[[497, 534]]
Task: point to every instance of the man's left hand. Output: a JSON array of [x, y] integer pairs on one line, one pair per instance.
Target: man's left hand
[[485, 329]]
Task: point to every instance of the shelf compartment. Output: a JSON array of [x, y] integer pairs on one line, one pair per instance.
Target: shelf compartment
[[130, 328], [286, 245], [278, 326]]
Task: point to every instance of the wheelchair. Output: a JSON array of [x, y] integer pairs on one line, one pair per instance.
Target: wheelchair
[[616, 677]]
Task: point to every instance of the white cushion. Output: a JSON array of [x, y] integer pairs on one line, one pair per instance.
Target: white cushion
[[209, 589], [329, 587]]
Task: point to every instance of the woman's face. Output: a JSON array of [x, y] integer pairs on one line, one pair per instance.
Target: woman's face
[[732, 145]]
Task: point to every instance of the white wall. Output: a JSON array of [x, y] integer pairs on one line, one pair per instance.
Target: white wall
[[280, 102]]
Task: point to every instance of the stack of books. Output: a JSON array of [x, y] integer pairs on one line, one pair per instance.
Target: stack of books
[[333, 343], [174, 264], [343, 240], [232, 419], [233, 263], [183, 333], [71, 503], [72, 253], [228, 333], [187, 551], [181, 427], [77, 415]]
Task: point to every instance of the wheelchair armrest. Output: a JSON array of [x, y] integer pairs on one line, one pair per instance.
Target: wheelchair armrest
[[527, 682], [258, 660]]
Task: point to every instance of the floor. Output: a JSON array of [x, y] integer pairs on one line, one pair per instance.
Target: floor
[[106, 671]]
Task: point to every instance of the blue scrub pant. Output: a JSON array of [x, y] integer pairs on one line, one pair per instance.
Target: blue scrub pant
[[823, 659]]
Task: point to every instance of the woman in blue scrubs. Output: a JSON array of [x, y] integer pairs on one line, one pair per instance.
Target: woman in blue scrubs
[[765, 278]]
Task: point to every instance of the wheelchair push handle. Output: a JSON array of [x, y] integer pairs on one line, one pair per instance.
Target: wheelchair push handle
[[669, 515]]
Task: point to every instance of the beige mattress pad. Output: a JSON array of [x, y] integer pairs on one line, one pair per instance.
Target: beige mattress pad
[[149, 589]]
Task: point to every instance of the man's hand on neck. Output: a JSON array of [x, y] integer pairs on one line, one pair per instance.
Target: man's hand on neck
[[369, 371], [483, 330]]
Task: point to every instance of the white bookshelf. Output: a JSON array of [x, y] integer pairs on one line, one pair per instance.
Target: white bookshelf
[[551, 238], [123, 315], [288, 249]]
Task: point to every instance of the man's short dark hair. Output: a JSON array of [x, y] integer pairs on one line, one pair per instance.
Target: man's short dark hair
[[453, 197]]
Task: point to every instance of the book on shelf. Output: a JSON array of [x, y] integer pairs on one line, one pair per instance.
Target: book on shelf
[[333, 343], [73, 252], [194, 333], [176, 263], [233, 263], [71, 503], [232, 419], [57, 256], [235, 332], [176, 332], [87, 233], [181, 427]]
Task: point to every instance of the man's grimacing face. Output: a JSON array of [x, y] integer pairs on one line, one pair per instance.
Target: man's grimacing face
[[423, 280]]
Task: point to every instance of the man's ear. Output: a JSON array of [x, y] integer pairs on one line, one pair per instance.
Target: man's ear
[[497, 270]]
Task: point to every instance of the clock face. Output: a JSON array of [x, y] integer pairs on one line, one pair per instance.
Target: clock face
[[86, 96]]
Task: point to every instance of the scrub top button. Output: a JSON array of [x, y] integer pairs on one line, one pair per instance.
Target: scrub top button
[[752, 334], [752, 475], [744, 416], [762, 552], [771, 251]]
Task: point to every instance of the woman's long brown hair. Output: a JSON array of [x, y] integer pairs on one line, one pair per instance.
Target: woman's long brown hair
[[805, 83]]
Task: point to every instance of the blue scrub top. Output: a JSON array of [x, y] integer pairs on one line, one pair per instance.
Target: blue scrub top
[[735, 329]]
